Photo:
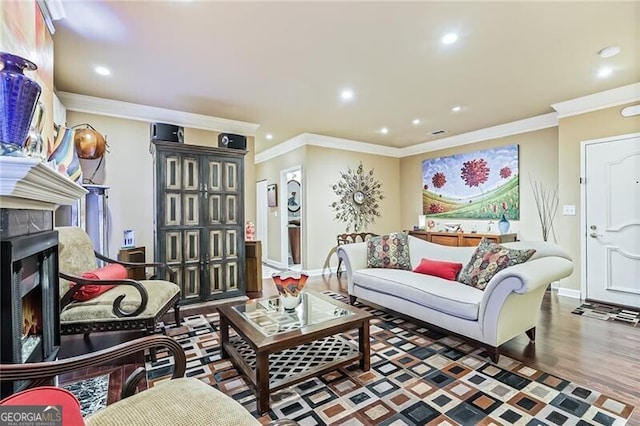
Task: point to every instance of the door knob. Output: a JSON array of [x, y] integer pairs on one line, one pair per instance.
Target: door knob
[[595, 235]]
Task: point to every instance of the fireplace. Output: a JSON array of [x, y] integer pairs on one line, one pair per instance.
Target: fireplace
[[29, 301]]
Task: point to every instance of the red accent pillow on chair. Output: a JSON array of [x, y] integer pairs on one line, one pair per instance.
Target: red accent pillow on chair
[[113, 271], [439, 268]]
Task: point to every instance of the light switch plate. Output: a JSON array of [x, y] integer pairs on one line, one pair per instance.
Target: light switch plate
[[569, 210]]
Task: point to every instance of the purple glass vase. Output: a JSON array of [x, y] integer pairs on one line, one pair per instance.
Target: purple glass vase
[[18, 97]]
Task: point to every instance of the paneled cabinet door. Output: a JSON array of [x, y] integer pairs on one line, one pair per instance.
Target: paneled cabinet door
[[224, 215], [180, 219]]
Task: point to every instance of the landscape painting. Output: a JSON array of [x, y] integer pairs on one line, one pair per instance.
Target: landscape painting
[[476, 185]]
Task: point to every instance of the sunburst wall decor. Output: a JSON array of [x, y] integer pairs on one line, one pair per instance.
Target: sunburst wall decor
[[359, 199]]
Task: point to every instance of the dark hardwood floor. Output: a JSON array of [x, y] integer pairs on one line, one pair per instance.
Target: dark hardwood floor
[[601, 355]]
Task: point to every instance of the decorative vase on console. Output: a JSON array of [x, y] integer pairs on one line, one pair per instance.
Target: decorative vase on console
[[504, 225], [290, 285], [18, 98]]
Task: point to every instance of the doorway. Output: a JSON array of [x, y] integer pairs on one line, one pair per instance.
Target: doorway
[[611, 220], [262, 217], [291, 214]]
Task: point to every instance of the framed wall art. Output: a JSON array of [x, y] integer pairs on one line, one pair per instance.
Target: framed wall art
[[475, 185], [272, 195]]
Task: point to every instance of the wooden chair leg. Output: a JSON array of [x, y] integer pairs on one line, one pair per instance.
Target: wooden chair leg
[[338, 271], [176, 312]]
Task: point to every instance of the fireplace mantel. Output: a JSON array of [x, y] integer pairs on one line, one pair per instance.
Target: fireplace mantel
[[28, 184]]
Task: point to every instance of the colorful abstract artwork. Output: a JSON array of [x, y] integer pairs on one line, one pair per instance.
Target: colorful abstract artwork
[[476, 185]]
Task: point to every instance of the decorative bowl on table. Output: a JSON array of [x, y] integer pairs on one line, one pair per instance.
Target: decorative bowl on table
[[452, 227], [290, 285]]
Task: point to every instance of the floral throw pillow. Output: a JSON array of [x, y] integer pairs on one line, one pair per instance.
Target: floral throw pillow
[[489, 259], [389, 251]]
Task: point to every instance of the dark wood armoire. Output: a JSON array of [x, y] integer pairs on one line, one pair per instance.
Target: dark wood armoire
[[199, 217]]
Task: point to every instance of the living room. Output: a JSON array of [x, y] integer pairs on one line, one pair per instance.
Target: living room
[[550, 149]]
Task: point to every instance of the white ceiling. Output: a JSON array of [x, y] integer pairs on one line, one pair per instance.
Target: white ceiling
[[282, 65]]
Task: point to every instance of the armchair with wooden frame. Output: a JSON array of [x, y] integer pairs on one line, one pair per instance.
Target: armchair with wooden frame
[[129, 305], [350, 238], [179, 401]]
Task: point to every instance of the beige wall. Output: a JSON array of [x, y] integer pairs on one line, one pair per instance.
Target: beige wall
[[128, 172], [321, 168], [573, 131], [538, 159], [321, 172]]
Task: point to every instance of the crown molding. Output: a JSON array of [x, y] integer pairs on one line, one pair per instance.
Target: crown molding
[[516, 127], [280, 149], [313, 139], [127, 110], [608, 98], [350, 145], [539, 122]]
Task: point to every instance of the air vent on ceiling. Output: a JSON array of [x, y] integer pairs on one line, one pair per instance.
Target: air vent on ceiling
[[438, 132]]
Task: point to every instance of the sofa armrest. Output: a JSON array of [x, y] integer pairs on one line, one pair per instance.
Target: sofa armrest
[[532, 274], [511, 301], [354, 257]]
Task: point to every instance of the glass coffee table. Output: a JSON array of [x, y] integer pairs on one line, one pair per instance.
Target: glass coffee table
[[276, 348]]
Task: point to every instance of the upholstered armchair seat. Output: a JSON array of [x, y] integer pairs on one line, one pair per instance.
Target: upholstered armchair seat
[[177, 397]]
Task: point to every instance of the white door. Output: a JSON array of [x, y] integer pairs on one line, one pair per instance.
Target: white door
[[612, 219], [261, 216]]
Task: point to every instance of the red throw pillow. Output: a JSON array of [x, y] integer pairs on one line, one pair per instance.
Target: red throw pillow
[[439, 268], [113, 271]]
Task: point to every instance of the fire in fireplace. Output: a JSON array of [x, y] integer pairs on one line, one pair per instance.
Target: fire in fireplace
[[29, 305]]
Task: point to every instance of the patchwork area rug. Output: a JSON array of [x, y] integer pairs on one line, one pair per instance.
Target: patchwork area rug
[[608, 313], [418, 376]]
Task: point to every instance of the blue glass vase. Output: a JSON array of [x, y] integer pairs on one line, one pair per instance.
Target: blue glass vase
[[18, 98], [503, 225]]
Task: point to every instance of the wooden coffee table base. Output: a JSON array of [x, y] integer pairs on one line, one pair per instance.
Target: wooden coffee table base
[[254, 360]]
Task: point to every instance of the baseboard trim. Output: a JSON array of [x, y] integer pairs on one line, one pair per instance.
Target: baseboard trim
[[276, 264], [568, 292]]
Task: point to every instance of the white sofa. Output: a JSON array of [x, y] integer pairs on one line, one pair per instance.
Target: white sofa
[[508, 306]]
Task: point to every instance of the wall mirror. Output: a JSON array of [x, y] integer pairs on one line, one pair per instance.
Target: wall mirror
[[293, 195]]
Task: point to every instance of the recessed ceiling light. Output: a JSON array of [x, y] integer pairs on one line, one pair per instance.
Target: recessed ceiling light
[[346, 95], [604, 72], [456, 108], [416, 121], [609, 51], [384, 130], [102, 70], [269, 136], [450, 38]]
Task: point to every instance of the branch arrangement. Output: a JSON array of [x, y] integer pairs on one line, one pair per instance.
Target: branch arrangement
[[547, 205]]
